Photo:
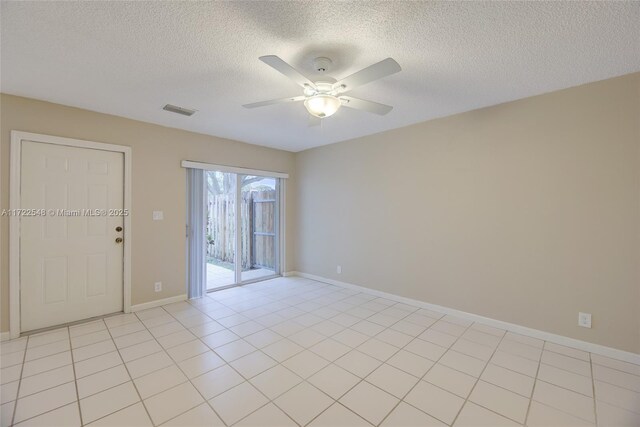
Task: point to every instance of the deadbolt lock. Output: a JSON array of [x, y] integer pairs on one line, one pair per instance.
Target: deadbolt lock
[[118, 228], [118, 239]]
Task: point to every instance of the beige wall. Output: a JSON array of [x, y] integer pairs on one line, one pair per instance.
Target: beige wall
[[526, 212], [159, 183]]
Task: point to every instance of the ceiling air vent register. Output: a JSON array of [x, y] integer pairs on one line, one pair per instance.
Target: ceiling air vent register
[[179, 110]]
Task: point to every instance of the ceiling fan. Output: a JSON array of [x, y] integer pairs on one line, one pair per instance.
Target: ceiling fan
[[324, 97]]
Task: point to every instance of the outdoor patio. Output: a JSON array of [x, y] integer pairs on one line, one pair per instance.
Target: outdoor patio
[[219, 276]]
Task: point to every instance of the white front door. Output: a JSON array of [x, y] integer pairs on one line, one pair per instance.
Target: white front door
[[71, 266]]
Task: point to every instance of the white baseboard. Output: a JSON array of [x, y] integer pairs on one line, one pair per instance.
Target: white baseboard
[[289, 273], [158, 302], [614, 353], [4, 336]]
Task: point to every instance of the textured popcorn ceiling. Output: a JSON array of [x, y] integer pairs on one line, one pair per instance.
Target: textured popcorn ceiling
[[131, 58]]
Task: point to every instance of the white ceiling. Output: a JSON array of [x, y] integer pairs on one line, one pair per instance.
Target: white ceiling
[[131, 58]]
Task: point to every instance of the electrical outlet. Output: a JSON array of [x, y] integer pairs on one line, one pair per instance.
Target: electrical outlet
[[158, 286], [339, 269], [584, 320], [158, 215]]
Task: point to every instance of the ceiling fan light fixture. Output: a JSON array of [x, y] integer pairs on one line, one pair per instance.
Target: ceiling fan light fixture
[[323, 98], [322, 105]]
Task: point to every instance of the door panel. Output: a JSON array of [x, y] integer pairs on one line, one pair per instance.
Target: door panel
[[55, 279], [96, 275], [259, 226], [221, 229], [242, 228], [71, 268]]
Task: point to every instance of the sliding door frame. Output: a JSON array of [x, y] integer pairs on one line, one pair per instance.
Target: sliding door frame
[[279, 226], [237, 268]]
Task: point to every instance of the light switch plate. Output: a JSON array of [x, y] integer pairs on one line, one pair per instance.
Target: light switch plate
[[158, 215]]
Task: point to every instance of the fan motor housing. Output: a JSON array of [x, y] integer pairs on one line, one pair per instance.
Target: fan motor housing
[[322, 64]]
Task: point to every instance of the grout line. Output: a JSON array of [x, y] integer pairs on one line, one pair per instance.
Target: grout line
[[593, 388], [565, 388], [186, 376], [75, 382], [361, 380], [337, 402], [121, 409], [81, 361], [512, 370], [68, 325], [478, 380], [48, 411], [304, 380], [382, 362], [72, 348], [637, 376], [536, 379], [435, 385], [566, 355], [533, 389], [15, 405], [49, 370], [330, 296], [48, 388], [447, 349], [108, 388], [12, 352], [48, 355], [130, 378]]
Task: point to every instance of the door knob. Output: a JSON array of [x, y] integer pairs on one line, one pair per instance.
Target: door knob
[[118, 228], [118, 239]]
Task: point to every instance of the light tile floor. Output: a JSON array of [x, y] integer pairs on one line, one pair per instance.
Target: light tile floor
[[294, 352]]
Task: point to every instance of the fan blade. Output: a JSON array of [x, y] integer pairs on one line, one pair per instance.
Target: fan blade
[[314, 121], [362, 104], [275, 101], [286, 69], [373, 72]]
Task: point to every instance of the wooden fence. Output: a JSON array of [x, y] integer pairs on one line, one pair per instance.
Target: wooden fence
[[257, 232]]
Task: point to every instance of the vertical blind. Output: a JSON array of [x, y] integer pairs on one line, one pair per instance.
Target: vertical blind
[[196, 217]]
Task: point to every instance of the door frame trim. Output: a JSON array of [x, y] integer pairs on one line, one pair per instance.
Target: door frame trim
[[14, 222]]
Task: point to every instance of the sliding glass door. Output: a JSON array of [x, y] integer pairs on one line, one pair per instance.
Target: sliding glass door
[[259, 227], [221, 229], [242, 228]]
